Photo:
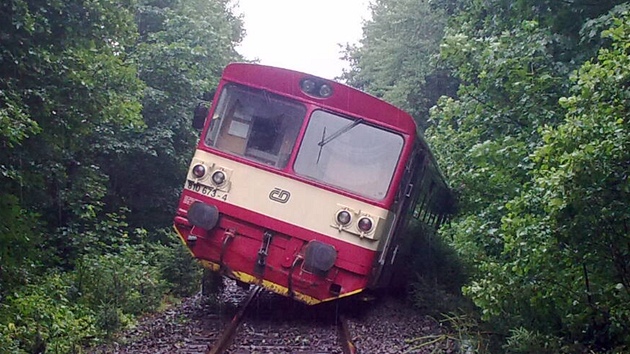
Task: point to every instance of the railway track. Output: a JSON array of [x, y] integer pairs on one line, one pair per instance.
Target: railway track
[[225, 340], [274, 324], [238, 322], [278, 326]]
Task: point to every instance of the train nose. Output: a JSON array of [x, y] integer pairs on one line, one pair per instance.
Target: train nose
[[319, 257], [203, 215]]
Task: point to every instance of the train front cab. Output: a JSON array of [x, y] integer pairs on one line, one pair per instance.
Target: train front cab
[[266, 202]]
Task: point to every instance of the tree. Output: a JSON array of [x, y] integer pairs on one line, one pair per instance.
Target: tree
[[543, 237], [568, 235], [95, 100], [395, 58], [528, 249], [181, 51], [64, 74]]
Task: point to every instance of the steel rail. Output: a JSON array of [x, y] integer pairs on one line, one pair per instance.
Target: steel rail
[[224, 342], [345, 337]]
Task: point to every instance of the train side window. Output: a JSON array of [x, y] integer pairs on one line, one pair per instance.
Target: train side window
[[423, 195]]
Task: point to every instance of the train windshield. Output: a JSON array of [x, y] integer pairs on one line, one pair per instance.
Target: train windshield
[[349, 154], [255, 124]]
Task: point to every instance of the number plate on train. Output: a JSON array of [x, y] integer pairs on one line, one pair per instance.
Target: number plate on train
[[206, 190]]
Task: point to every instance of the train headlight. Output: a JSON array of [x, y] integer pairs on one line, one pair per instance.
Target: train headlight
[[365, 224], [325, 91], [218, 178], [343, 217], [308, 86], [316, 87], [199, 170]]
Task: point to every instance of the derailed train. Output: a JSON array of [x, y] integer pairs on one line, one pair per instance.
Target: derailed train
[[303, 185]]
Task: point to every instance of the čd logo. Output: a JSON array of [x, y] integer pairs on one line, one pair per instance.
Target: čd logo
[[279, 195]]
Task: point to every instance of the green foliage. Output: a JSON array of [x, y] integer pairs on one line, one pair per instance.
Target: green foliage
[[94, 95], [64, 312], [535, 143], [510, 82], [583, 192], [94, 233], [394, 60], [487, 17], [433, 270], [177, 266], [95, 100], [548, 234], [19, 244], [180, 54], [116, 286], [459, 330], [15, 124], [510, 85], [63, 68], [43, 318], [524, 341]]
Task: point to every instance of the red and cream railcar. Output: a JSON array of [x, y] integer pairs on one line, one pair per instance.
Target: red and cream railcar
[[301, 184]]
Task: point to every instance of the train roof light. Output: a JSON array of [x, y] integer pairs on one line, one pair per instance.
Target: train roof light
[[308, 86], [316, 87], [325, 91]]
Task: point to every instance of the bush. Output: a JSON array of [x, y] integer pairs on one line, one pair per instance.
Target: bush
[[524, 341], [43, 318], [19, 244], [437, 273], [116, 286], [65, 312], [177, 266]]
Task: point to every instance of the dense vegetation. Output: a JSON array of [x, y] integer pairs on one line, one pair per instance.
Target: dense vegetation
[[95, 105], [526, 105], [525, 102]]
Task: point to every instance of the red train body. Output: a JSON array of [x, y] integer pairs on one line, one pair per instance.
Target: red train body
[[302, 184]]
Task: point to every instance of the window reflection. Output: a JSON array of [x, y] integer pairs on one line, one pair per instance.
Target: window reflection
[[355, 156]]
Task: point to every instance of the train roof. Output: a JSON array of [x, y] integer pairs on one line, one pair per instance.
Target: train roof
[[344, 98]]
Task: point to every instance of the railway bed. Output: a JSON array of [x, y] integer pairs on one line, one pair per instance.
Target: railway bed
[[275, 324]]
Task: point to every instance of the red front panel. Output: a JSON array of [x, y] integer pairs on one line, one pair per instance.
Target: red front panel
[[235, 244]]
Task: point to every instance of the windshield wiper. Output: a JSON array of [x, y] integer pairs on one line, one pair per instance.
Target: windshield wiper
[[321, 144], [339, 132]]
